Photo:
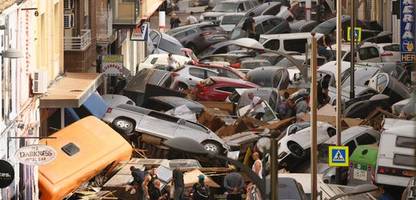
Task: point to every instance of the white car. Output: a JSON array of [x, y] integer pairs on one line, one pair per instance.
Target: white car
[[155, 60], [297, 139], [368, 52], [390, 52], [230, 20], [190, 75]]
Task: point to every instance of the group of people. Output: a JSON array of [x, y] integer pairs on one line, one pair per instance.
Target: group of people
[[176, 22]]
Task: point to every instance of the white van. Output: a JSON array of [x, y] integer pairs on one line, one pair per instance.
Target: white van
[[287, 42], [396, 162]]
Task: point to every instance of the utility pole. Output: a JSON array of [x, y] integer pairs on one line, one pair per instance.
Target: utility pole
[[338, 80], [314, 119], [274, 165], [308, 7], [352, 47]]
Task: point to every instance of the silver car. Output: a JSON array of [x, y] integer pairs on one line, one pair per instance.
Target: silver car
[[126, 119]]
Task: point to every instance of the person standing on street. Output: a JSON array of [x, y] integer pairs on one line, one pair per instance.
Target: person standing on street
[[191, 19], [234, 184], [136, 184], [249, 26], [200, 191], [174, 21], [178, 184], [149, 188], [257, 165], [256, 107]]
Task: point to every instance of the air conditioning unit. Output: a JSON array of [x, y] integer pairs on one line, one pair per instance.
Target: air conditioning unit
[[68, 4], [68, 20], [40, 82]]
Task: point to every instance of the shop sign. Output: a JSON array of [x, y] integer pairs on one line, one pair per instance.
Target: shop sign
[[6, 174], [38, 154], [407, 31], [112, 65]]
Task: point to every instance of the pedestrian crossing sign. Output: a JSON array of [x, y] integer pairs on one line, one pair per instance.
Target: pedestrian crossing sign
[[338, 156]]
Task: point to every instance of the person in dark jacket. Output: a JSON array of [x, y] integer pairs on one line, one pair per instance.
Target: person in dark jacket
[[149, 188], [200, 191], [174, 21], [234, 184], [249, 26], [178, 184]]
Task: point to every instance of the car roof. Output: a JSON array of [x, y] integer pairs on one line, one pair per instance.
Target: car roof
[[262, 18], [176, 101], [350, 133], [231, 80], [289, 36]]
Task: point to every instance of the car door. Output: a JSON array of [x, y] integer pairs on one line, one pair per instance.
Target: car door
[[369, 54], [159, 125], [278, 25]]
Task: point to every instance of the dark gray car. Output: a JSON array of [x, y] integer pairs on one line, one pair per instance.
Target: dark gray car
[[265, 24], [275, 77]]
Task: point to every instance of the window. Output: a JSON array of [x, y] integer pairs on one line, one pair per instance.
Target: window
[[366, 139], [272, 44], [169, 46], [259, 29], [200, 73], [406, 142], [240, 7], [272, 10], [368, 53], [190, 32], [393, 47], [226, 73], [295, 45], [267, 26], [227, 89], [351, 146], [154, 60], [406, 160]]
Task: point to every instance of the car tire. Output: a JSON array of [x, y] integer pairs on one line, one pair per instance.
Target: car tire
[[295, 149], [212, 147], [123, 126]]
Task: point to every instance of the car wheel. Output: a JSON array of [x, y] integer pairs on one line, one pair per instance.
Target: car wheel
[[212, 147], [123, 126], [296, 149]]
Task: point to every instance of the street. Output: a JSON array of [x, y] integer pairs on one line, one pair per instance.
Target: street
[[233, 99]]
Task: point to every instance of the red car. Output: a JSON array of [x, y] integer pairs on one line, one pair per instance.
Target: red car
[[219, 88]]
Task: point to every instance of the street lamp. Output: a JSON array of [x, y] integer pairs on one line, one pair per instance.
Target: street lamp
[[191, 146], [359, 189]]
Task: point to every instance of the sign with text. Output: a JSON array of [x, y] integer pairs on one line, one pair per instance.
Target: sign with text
[[407, 31], [357, 34], [38, 154], [140, 33], [6, 174], [112, 65], [338, 156]]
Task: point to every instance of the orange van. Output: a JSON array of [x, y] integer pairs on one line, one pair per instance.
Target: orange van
[[84, 149]]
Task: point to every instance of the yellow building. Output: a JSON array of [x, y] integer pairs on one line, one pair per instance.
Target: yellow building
[[49, 35]]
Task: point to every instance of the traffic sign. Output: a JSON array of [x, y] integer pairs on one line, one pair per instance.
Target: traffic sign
[[140, 33], [338, 156], [357, 34]]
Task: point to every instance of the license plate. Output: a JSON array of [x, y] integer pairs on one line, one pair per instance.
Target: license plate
[[360, 174]]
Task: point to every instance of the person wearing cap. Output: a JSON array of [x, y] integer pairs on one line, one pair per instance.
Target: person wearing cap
[[200, 191]]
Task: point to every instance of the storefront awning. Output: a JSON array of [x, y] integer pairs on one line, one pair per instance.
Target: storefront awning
[[149, 7], [71, 91]]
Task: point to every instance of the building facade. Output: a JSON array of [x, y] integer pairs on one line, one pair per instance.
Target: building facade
[[30, 41]]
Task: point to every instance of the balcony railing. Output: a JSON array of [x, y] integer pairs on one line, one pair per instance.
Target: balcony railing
[[79, 43]]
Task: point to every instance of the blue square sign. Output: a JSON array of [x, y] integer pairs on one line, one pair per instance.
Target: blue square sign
[[338, 156]]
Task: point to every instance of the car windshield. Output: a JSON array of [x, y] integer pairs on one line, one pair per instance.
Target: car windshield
[[225, 7], [231, 19], [169, 46]]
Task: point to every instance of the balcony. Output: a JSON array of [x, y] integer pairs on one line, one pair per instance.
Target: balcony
[[79, 43]]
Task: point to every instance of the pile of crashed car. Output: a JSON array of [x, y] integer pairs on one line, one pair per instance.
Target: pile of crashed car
[[205, 98]]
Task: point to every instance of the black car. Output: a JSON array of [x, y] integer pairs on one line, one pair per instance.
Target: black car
[[275, 77], [265, 24], [199, 36]]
